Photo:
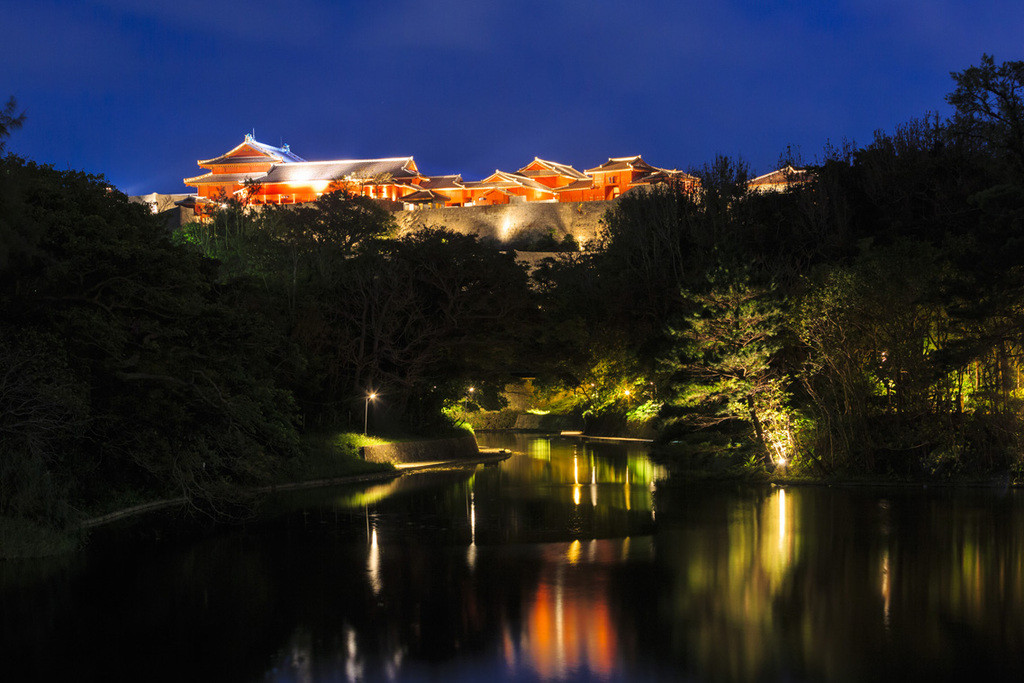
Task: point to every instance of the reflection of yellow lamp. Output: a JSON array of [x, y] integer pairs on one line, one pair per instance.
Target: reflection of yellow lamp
[[782, 518], [373, 564]]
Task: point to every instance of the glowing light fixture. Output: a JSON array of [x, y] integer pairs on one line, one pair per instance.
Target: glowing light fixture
[[366, 410]]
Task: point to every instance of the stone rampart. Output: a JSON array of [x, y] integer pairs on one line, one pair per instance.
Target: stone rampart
[[508, 222], [503, 222]]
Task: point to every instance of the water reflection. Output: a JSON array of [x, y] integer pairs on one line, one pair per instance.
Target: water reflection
[[505, 573], [570, 628]]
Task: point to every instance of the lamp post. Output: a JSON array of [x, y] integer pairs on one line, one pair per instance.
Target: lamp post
[[366, 410]]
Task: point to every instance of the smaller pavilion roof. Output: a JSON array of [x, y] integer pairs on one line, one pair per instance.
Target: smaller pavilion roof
[[425, 197], [586, 184], [552, 167], [188, 202], [634, 163], [503, 180], [782, 176], [222, 178], [437, 182], [665, 175]]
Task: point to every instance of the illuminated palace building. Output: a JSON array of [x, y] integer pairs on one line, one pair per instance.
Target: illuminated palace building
[[256, 173]]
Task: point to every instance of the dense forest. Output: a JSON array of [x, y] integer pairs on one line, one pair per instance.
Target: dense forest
[[867, 321]]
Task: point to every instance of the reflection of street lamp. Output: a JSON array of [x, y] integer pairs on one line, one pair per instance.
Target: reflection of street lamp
[[366, 410]]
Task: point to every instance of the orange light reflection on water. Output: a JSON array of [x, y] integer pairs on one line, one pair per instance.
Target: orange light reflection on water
[[569, 627]]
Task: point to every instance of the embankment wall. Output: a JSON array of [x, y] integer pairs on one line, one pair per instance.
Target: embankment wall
[[423, 451]]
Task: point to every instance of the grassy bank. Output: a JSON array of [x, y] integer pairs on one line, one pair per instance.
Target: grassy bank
[[723, 461], [328, 455], [323, 455]]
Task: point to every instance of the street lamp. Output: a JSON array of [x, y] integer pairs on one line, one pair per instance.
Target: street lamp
[[366, 410]]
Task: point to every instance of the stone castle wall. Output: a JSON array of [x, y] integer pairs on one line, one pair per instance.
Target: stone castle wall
[[503, 222], [507, 222]]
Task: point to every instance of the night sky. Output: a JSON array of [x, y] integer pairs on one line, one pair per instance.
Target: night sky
[[138, 90]]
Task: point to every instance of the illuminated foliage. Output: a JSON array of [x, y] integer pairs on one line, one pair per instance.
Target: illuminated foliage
[[725, 368]]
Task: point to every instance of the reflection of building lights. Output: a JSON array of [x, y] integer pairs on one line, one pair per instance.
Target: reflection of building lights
[[373, 564], [353, 666], [576, 494], [573, 554]]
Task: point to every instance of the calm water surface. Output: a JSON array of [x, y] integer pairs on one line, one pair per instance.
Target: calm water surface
[[572, 561]]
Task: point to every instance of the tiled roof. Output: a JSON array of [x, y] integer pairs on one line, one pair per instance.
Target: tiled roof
[[781, 176], [225, 160], [587, 184], [425, 196], [280, 154], [501, 179], [350, 169], [553, 167], [222, 178], [664, 175], [437, 182], [622, 164]]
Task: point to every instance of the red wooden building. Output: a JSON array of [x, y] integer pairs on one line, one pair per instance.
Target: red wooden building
[[256, 173]]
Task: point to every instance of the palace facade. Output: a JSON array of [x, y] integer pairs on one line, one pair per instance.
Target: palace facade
[[257, 173]]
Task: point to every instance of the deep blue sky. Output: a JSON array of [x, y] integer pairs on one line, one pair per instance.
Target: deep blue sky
[[138, 90]]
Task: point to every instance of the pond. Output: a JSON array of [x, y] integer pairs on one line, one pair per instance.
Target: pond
[[574, 560]]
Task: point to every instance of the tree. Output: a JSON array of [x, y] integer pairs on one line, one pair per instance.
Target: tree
[[417, 318], [726, 367], [9, 121], [989, 103], [171, 386]]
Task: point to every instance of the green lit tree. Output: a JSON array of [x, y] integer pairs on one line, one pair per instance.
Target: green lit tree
[[726, 374]]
